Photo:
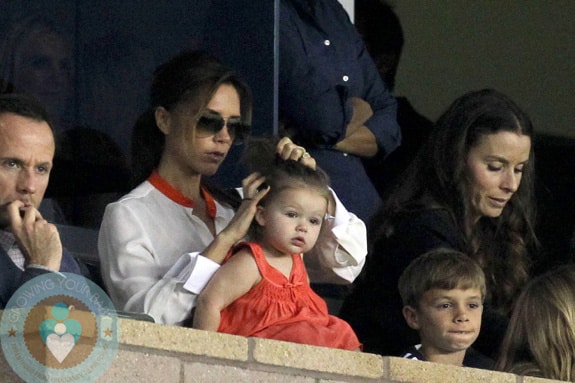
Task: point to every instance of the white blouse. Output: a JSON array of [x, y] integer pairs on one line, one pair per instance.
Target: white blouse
[[149, 247]]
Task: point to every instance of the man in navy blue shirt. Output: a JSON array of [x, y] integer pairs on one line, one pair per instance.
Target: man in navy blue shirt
[[332, 99], [381, 31], [29, 245]]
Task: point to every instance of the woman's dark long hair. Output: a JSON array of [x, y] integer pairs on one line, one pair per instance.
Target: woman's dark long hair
[[437, 179], [190, 77]]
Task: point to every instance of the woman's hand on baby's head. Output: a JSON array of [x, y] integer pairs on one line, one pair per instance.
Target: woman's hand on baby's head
[[254, 188], [287, 150], [238, 227]]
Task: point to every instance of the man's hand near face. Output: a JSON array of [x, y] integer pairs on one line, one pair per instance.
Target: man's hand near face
[[38, 239]]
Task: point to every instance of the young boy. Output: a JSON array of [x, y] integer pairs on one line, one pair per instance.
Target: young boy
[[443, 292]]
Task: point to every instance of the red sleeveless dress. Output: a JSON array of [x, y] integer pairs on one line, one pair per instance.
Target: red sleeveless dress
[[282, 309]]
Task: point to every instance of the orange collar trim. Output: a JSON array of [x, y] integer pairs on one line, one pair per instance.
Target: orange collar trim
[[175, 195]]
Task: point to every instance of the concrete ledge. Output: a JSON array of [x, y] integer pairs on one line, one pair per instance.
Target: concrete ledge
[[407, 370], [6, 373], [189, 341], [317, 358], [129, 366], [201, 372], [530, 379], [154, 353]]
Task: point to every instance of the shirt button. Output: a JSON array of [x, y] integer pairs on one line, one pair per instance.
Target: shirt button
[[345, 154], [327, 42], [345, 78]]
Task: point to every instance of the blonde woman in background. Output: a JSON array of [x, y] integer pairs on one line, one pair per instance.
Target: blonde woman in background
[[540, 339]]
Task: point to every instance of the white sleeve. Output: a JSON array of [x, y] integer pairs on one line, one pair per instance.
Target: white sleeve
[[194, 271], [130, 270], [339, 254]]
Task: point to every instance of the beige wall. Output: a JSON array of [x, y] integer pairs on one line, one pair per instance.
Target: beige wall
[[154, 353], [523, 48]]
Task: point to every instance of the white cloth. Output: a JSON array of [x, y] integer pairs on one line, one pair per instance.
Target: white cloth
[[149, 249]]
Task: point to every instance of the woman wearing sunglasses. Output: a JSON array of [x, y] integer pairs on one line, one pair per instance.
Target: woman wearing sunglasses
[[161, 243]]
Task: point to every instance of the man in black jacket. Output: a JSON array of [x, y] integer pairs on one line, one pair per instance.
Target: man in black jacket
[[29, 245]]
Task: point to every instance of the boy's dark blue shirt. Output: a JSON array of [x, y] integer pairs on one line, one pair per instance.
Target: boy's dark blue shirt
[[472, 358]]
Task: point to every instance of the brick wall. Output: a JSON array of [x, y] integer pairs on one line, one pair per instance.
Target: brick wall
[[166, 354]]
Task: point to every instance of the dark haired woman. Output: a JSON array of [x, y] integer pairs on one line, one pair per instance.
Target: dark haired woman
[[161, 243], [469, 189]]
